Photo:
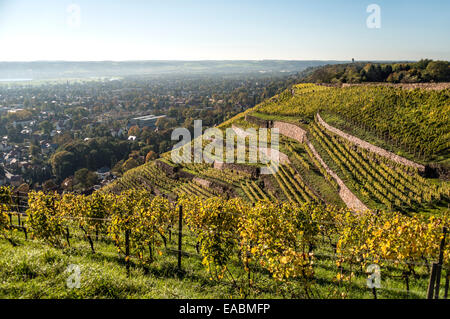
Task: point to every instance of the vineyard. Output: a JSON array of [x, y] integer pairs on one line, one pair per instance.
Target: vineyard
[[293, 186], [231, 231], [144, 177], [192, 189], [415, 121], [376, 181], [254, 193], [246, 247], [396, 187]]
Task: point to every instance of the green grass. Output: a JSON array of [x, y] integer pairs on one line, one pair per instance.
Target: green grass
[[34, 270]]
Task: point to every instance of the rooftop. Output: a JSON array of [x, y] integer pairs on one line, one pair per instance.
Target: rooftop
[[148, 117]]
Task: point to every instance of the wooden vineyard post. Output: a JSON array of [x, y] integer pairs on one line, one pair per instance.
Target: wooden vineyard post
[[180, 235], [24, 230], [68, 236], [21, 225], [431, 282], [435, 276], [127, 251], [439, 264]]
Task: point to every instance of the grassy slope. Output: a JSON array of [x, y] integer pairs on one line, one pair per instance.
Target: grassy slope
[[35, 270]]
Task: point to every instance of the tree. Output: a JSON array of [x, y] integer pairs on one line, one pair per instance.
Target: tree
[[134, 131], [373, 73], [14, 134], [150, 156], [118, 168], [63, 164], [438, 71], [422, 64], [46, 127], [173, 112], [64, 138], [49, 186], [85, 178], [34, 150], [67, 184], [166, 123]]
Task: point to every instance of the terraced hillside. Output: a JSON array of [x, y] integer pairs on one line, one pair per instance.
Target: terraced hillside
[[414, 122], [376, 179], [324, 163]]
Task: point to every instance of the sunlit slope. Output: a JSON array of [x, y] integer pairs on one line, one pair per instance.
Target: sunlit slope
[[415, 122], [411, 123]]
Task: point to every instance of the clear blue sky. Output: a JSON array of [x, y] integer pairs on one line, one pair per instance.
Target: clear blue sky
[[197, 30]]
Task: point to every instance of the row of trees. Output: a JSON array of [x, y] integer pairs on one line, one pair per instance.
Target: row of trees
[[423, 71]]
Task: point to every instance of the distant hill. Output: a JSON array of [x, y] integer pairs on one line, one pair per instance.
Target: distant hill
[[361, 72], [60, 69]]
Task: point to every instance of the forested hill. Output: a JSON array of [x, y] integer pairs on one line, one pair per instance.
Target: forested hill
[[360, 72]]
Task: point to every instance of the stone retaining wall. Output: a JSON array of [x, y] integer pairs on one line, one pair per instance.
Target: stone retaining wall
[[290, 130], [253, 171], [166, 168], [258, 121], [345, 193], [287, 129], [183, 174], [375, 149], [212, 185]]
